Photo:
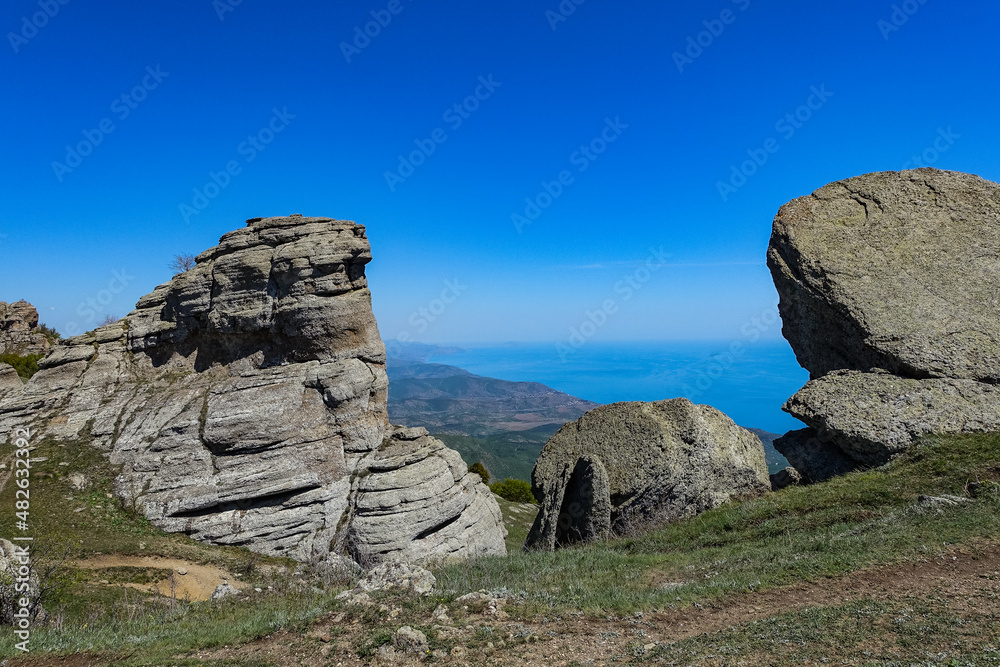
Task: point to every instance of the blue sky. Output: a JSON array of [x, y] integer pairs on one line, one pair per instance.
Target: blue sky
[[637, 221]]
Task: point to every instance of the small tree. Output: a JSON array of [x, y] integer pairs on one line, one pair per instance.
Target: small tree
[[108, 319], [481, 470], [182, 263], [514, 490]]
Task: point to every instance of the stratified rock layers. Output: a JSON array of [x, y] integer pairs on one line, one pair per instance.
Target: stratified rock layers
[[626, 463], [19, 332], [246, 400], [890, 297]]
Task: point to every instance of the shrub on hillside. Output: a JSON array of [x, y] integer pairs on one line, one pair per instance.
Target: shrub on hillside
[[51, 334], [26, 366], [481, 470], [514, 490]]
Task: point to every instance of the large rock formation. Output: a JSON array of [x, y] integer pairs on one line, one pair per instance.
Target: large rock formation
[[246, 403], [895, 277], [629, 462], [19, 331]]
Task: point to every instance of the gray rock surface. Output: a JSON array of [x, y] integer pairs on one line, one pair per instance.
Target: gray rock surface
[[224, 590], [890, 296], [894, 270], [398, 575], [245, 401], [628, 462], [419, 502], [873, 416], [816, 458], [409, 640], [785, 478], [10, 381], [19, 333]]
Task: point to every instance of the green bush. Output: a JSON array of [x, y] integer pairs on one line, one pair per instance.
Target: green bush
[[514, 490], [480, 470], [51, 334], [25, 366]]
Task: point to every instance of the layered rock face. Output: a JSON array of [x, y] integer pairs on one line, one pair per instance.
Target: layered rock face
[[19, 332], [246, 403], [890, 297], [629, 462]]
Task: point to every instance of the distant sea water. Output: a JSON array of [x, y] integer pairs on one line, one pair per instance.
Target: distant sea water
[[747, 381]]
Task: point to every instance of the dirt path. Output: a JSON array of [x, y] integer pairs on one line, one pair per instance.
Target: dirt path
[[196, 584], [960, 578]]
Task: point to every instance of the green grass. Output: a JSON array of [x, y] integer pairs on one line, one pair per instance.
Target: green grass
[[517, 518], [864, 631], [800, 533]]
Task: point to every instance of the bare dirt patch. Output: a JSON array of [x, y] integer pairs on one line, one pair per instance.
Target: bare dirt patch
[[197, 584]]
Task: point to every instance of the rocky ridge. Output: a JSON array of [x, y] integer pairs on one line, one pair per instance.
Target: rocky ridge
[[245, 402], [890, 297]]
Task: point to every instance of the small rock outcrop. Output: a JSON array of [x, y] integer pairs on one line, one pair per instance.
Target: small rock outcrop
[[890, 298], [629, 462], [245, 402], [19, 331]]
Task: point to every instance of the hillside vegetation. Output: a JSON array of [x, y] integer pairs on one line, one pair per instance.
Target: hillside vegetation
[[725, 573]]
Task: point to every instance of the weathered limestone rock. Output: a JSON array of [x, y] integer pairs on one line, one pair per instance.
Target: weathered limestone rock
[[894, 270], [245, 401], [10, 381], [628, 462], [418, 501], [890, 297], [785, 478], [19, 333], [873, 416]]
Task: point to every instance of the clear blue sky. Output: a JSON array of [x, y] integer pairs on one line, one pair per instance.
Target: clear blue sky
[[219, 81]]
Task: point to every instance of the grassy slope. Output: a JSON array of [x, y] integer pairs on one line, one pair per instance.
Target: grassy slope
[[807, 533], [843, 525]]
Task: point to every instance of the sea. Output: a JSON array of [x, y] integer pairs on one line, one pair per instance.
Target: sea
[[747, 380]]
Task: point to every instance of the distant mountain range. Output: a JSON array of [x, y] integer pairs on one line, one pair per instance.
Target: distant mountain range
[[499, 423], [453, 401]]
